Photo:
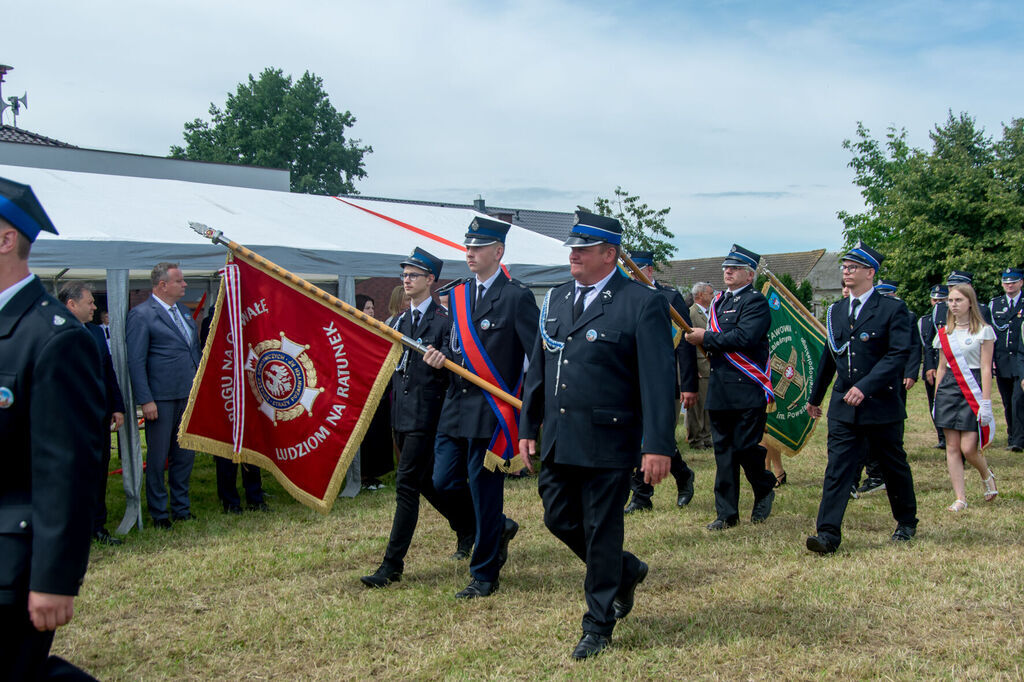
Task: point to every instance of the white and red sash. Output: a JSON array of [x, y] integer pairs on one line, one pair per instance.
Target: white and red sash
[[761, 377], [968, 384]]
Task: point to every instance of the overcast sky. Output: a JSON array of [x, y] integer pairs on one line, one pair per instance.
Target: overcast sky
[[731, 113]]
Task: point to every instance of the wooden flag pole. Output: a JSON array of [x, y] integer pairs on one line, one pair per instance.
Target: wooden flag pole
[[367, 321], [794, 300], [676, 317]]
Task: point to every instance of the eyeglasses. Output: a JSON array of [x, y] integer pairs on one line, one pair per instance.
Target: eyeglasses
[[411, 275], [852, 267]]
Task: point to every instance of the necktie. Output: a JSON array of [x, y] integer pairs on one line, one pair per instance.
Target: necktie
[[725, 299], [415, 320], [479, 295], [577, 307], [853, 311], [179, 323]]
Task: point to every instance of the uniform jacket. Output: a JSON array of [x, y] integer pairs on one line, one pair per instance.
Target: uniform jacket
[[418, 389], [511, 314], [115, 401], [685, 353], [161, 363], [745, 321], [50, 432], [699, 319], [912, 370], [874, 362], [926, 333], [1005, 353], [611, 387]]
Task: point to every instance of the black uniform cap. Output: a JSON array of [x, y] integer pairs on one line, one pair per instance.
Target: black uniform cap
[[19, 207], [424, 261]]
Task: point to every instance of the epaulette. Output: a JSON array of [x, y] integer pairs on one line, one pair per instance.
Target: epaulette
[[518, 284], [57, 316]]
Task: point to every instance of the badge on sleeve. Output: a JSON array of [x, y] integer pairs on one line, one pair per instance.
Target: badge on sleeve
[[58, 320], [864, 336], [485, 324], [6, 397], [591, 335]]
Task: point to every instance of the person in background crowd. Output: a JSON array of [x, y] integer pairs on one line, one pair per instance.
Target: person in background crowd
[[52, 406], [970, 343], [927, 329], [698, 424], [1006, 314], [398, 302], [773, 462], [377, 451], [105, 327], [78, 298]]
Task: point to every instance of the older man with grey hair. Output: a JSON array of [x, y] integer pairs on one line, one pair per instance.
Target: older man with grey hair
[[698, 425]]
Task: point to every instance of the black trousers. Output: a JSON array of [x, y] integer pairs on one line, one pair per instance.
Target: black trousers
[[100, 519], [414, 478], [930, 390], [1013, 408], [642, 492], [846, 446], [25, 652], [227, 475], [583, 509], [737, 434]]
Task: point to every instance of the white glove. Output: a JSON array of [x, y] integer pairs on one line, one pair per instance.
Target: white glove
[[985, 415]]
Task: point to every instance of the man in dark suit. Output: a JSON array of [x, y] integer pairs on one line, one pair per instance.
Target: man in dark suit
[[78, 298], [927, 328], [739, 390], [685, 370], [51, 417], [698, 423], [601, 384], [418, 391], [869, 339], [163, 355], [499, 317], [1007, 313]]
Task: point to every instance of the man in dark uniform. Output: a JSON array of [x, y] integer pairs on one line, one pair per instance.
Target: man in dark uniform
[[418, 391], [685, 361], [498, 319], [869, 339], [911, 372], [51, 417], [78, 298], [958, 277], [927, 328], [739, 390], [600, 383], [1007, 313]]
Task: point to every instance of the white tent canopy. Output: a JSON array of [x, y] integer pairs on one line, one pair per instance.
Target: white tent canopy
[[113, 221]]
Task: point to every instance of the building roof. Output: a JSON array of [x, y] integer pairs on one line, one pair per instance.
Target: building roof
[[685, 273], [12, 134], [555, 224]]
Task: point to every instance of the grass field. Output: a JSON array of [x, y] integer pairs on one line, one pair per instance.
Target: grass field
[[277, 595]]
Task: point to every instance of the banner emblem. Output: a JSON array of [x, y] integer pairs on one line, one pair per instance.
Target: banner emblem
[[282, 378]]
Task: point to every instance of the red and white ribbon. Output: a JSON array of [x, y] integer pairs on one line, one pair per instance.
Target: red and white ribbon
[[233, 301], [968, 384]]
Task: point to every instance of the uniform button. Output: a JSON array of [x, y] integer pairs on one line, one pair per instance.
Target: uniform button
[[561, 410], [563, 385], [568, 338], [23, 524], [565, 362], [615, 420], [465, 390], [406, 392]]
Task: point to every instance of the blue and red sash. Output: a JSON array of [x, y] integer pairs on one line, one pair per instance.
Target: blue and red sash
[[761, 377], [502, 449]]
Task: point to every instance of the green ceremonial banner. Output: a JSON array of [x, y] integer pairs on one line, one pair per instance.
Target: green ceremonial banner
[[796, 342]]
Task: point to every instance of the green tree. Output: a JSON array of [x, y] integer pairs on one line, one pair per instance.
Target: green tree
[[270, 121], [958, 206], [642, 226]]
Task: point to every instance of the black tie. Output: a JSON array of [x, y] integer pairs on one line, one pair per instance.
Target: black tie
[[479, 295], [725, 299], [853, 311], [415, 320], [577, 307]]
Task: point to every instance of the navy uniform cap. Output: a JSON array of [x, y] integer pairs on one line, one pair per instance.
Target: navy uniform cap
[[940, 292], [642, 258], [960, 277], [19, 207], [1013, 275], [484, 231], [424, 261], [863, 254], [589, 229], [887, 286], [738, 256]]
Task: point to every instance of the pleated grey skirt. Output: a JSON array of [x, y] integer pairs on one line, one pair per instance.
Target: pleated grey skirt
[[951, 408]]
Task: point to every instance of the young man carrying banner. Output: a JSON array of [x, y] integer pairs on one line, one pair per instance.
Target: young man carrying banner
[[418, 393], [869, 340], [493, 325], [740, 388], [601, 383]]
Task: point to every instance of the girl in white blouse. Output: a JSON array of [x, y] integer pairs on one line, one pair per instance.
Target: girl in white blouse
[[965, 327]]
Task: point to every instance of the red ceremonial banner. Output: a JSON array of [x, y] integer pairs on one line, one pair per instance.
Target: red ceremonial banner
[[311, 378]]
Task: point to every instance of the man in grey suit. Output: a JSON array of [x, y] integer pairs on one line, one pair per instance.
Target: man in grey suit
[[698, 424], [163, 355]]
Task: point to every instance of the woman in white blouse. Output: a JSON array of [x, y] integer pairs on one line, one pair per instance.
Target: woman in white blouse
[[965, 328]]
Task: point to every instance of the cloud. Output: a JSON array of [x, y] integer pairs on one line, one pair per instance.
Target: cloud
[[734, 194]]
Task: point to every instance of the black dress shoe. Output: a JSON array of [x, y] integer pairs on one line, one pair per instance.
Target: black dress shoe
[[635, 506], [721, 524], [382, 578], [511, 528], [904, 533], [820, 545], [686, 491], [1016, 448], [259, 506], [464, 549], [162, 523], [232, 509], [623, 602], [590, 645], [477, 588], [762, 508], [104, 537], [185, 517], [939, 446]]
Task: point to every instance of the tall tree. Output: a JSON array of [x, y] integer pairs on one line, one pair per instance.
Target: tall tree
[[642, 226], [270, 121]]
